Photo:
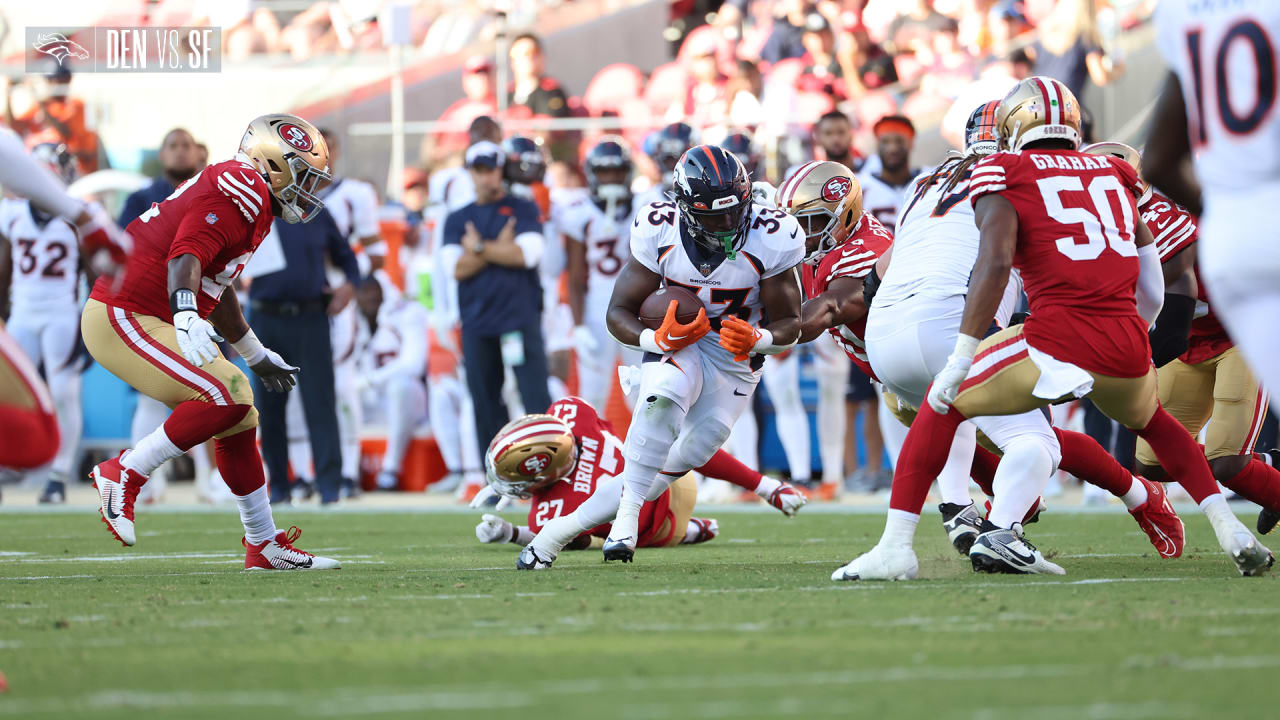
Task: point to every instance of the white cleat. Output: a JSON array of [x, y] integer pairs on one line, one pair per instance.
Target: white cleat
[[623, 549], [530, 559], [1251, 557], [787, 499], [881, 563], [278, 553], [117, 492], [997, 550]]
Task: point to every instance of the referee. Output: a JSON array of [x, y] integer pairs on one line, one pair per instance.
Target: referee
[[291, 310], [493, 246]]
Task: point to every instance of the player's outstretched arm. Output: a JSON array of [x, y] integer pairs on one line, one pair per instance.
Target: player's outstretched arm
[[842, 302], [1166, 161], [635, 283], [276, 374]]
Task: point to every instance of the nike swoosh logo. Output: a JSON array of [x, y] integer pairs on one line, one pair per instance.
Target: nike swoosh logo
[[304, 565], [247, 180], [1024, 559], [111, 496], [676, 337], [794, 233], [739, 394]]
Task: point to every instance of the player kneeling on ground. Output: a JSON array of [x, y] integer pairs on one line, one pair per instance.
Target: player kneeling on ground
[[159, 331], [569, 464]]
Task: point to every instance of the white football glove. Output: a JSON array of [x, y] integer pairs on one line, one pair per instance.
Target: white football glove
[[197, 339], [584, 343], [485, 493], [946, 384], [493, 529]]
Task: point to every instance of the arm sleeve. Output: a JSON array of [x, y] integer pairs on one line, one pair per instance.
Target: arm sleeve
[[341, 254], [531, 246], [1150, 290], [23, 176], [1171, 335], [364, 220], [203, 239]]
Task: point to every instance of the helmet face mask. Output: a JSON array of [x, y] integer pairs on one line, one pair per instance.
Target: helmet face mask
[[608, 169], [530, 454], [293, 158], [713, 194]]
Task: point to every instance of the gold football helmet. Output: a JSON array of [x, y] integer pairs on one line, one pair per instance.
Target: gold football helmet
[[1125, 153], [530, 453], [1038, 108], [827, 200], [293, 157]]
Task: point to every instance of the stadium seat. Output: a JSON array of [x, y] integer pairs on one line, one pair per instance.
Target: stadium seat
[[613, 86], [666, 87], [700, 36]]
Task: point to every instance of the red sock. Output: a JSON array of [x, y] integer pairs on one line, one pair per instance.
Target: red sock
[[239, 462], [723, 466], [1259, 483], [923, 456], [30, 437], [1083, 457], [1175, 448], [194, 421], [983, 470]]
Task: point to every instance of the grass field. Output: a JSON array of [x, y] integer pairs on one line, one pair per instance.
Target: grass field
[[425, 622]]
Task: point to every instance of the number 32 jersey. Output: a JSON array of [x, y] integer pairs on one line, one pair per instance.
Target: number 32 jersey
[[1077, 218], [774, 245], [600, 460], [219, 216], [45, 261], [1224, 54]]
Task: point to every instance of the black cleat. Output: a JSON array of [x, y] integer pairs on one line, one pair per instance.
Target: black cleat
[[623, 549], [529, 559], [962, 523], [1000, 550], [1267, 520]]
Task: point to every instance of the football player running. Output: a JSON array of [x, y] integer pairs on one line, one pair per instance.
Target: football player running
[[1068, 221], [740, 259], [159, 332], [40, 269], [596, 242], [28, 414], [1201, 374], [1217, 112], [569, 457]]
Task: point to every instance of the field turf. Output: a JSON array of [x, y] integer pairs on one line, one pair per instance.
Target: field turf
[[423, 621]]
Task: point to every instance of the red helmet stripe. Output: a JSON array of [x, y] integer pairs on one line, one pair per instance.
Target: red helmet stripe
[[1044, 93], [799, 177]]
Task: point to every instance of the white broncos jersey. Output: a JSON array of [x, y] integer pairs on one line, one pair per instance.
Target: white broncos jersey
[[399, 344], [726, 286], [1224, 56], [45, 260], [607, 241], [881, 199], [935, 248]]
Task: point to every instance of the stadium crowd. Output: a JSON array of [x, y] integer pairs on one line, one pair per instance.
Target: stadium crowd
[[431, 303]]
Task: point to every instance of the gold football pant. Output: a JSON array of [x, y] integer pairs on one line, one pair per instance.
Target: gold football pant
[[142, 350], [1220, 391], [28, 423]]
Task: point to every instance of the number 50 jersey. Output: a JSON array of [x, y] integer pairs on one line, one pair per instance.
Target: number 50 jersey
[[1077, 221], [726, 286]]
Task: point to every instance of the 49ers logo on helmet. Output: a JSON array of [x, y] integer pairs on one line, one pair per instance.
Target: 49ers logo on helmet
[[836, 188], [535, 464], [295, 136]]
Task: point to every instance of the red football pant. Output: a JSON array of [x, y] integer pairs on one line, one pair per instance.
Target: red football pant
[[195, 421], [1258, 482], [239, 461], [30, 437], [1175, 448], [1083, 457], [723, 466]]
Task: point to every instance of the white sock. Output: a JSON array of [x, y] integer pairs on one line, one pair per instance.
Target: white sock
[[1216, 509], [767, 486], [1020, 480], [953, 481], [899, 528], [255, 515], [150, 453], [1136, 496], [637, 479]]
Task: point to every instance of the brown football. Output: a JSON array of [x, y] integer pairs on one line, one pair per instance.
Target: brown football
[[654, 308]]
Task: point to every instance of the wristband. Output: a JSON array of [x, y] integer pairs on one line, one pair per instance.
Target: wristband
[[966, 347], [649, 342], [764, 345], [250, 348], [183, 300]]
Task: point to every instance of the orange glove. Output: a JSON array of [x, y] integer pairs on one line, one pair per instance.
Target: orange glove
[[737, 336], [672, 335]]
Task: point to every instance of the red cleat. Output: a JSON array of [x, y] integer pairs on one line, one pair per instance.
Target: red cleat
[[708, 529], [1158, 520], [117, 490], [787, 499], [278, 553]]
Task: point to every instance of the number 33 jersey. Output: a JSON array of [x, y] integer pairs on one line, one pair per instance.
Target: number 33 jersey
[[774, 245], [600, 460], [1077, 218], [44, 258], [219, 216]]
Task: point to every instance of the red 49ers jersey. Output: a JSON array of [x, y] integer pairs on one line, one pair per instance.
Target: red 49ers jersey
[[599, 460], [1175, 231], [853, 258], [1077, 217], [219, 216]]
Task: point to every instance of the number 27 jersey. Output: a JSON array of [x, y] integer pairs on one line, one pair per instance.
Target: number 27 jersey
[[1077, 217], [774, 245]]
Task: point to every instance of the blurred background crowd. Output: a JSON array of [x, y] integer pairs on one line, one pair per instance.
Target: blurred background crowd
[[431, 106]]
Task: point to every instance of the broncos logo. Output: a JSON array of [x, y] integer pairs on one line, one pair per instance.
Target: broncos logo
[[59, 47]]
